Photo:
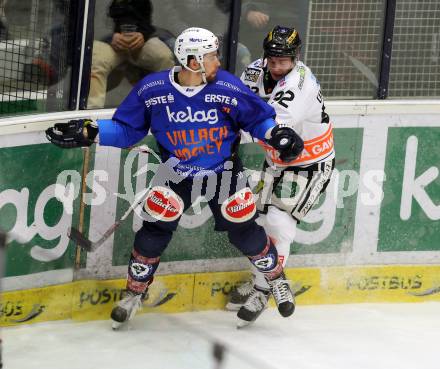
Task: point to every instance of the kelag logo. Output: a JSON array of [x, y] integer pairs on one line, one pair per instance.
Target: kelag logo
[[209, 116]]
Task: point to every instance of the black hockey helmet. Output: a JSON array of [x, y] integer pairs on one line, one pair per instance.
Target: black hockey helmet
[[282, 41]]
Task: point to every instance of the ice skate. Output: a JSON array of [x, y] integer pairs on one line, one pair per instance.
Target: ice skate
[[283, 295], [239, 295], [126, 309], [253, 307]]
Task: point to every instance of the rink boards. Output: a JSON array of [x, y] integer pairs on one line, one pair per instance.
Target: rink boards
[[92, 300], [382, 209]]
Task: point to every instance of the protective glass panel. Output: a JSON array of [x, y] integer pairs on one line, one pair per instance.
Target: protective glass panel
[[341, 40], [259, 17], [117, 67], [344, 42], [35, 55], [415, 61]]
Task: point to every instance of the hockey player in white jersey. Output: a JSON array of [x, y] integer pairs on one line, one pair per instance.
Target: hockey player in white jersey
[[287, 191]]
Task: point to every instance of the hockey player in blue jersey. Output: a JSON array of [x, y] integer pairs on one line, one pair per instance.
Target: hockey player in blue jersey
[[195, 112]]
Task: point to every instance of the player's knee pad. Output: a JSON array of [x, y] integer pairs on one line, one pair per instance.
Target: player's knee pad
[[267, 261], [141, 270]]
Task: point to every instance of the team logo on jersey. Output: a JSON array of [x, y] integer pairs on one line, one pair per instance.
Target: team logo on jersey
[[163, 204], [209, 116], [240, 207], [252, 75], [213, 98], [156, 100]]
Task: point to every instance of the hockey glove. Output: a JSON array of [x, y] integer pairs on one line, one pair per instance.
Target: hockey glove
[[75, 133], [287, 142]]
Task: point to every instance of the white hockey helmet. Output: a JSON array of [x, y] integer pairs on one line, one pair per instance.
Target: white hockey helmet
[[195, 42]]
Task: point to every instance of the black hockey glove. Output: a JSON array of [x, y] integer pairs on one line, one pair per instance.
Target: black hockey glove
[[287, 142], [75, 133]]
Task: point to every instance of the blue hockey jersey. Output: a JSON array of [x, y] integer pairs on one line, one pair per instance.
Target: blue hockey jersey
[[197, 125]]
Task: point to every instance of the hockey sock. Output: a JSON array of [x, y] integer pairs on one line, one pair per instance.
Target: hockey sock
[[141, 270], [267, 261], [283, 250]]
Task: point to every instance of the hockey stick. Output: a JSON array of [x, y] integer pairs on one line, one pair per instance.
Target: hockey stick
[[148, 150], [90, 246]]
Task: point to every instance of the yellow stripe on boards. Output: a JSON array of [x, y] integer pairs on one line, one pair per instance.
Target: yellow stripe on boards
[[92, 300]]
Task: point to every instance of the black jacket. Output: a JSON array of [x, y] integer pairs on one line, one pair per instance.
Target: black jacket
[[133, 12]]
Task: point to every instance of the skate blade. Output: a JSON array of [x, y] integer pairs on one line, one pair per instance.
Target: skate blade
[[230, 306], [116, 326], [243, 323]]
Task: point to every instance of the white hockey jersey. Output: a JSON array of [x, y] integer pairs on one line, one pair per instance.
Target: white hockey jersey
[[298, 103]]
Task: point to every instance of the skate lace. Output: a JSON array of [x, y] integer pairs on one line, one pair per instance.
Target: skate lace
[[281, 291], [246, 289], [257, 301]]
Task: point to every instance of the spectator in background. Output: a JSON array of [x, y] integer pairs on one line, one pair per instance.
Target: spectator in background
[[40, 51], [181, 14], [3, 21], [258, 16], [178, 15], [132, 41]]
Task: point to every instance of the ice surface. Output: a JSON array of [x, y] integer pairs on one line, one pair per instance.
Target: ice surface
[[362, 336]]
